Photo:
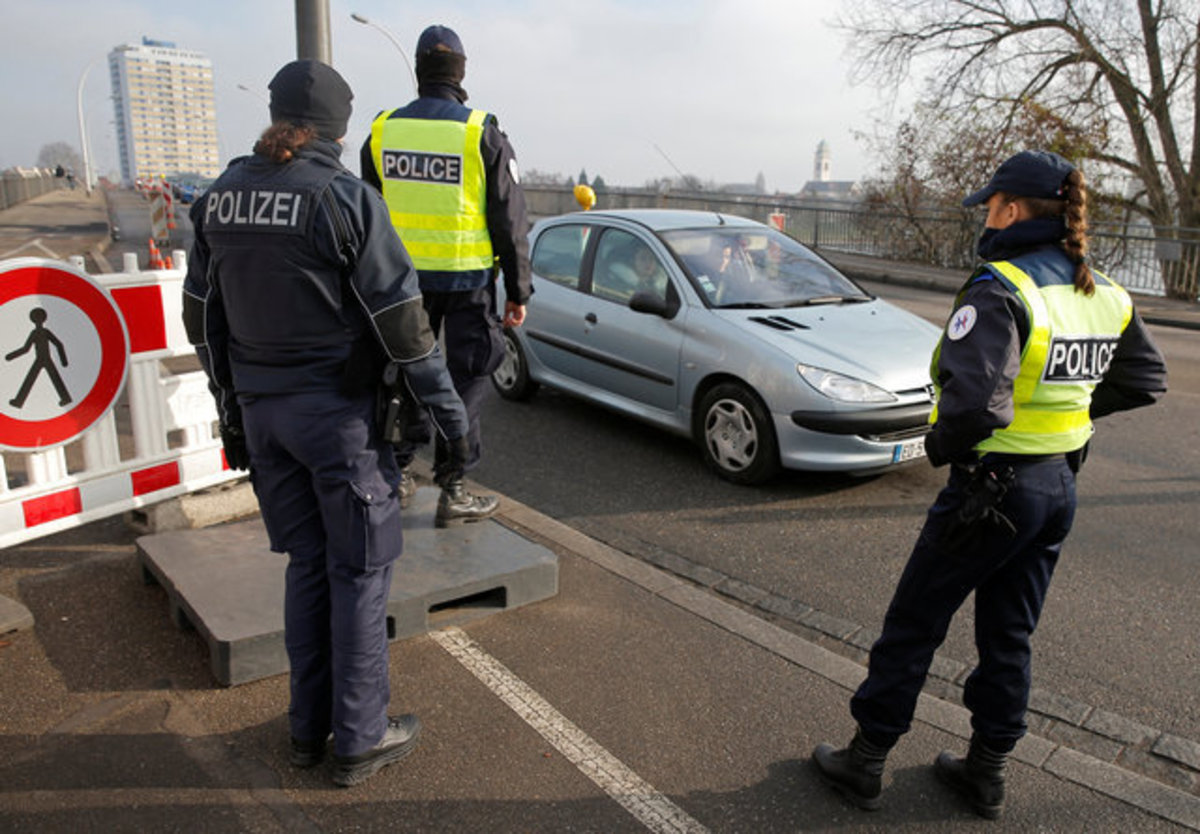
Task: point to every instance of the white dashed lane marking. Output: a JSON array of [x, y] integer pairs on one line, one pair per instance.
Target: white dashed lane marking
[[635, 794]]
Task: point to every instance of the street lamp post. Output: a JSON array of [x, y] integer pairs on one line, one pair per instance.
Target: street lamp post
[[254, 93], [83, 141], [395, 42]]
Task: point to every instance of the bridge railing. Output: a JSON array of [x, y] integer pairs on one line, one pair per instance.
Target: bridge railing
[[1142, 258]]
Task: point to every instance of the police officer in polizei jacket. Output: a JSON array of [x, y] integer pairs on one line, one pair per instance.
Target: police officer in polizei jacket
[[450, 178], [1038, 345], [298, 297]]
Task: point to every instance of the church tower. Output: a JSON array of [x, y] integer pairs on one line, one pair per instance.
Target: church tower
[[822, 163]]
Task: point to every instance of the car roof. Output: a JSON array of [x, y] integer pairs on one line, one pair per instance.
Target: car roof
[[661, 220]]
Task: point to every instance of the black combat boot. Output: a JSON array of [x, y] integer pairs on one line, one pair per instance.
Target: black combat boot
[[457, 505], [856, 772], [979, 778]]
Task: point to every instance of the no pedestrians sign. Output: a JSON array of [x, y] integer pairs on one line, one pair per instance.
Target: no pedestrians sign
[[64, 353]]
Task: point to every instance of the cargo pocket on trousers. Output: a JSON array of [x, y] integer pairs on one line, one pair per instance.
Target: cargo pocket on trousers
[[378, 538]]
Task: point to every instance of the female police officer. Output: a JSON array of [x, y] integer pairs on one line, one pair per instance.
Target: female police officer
[[1036, 347], [297, 293]]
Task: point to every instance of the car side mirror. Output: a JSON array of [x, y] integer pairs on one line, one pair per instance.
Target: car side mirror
[[644, 301]]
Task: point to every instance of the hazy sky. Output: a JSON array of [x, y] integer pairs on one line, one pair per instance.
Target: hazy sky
[[724, 89]]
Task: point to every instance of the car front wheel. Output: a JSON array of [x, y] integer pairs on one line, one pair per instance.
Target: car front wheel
[[511, 379], [737, 436]]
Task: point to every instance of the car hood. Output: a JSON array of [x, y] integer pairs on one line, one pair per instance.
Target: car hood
[[874, 341]]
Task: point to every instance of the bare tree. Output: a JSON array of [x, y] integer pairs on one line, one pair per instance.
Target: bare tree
[[1123, 71], [59, 153]]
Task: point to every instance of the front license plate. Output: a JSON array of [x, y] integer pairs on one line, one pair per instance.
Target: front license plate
[[909, 450]]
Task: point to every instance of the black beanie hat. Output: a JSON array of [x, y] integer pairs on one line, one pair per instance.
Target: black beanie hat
[[311, 93]]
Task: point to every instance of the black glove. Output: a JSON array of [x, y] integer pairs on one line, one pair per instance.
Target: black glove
[[980, 507], [233, 438], [452, 468]]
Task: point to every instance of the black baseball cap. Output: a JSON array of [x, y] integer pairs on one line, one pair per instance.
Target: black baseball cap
[[1038, 174], [311, 93]]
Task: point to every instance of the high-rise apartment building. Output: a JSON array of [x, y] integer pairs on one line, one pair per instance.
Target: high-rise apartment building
[[166, 112]]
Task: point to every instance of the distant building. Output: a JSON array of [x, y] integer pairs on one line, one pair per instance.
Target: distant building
[[165, 111], [822, 186]]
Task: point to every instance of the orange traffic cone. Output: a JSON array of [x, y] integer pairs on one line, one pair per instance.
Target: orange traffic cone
[[155, 258], [167, 262]]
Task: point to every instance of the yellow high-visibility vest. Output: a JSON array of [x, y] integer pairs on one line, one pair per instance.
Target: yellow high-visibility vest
[[1071, 341], [435, 187]]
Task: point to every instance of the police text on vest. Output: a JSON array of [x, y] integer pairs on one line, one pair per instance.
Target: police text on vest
[[1079, 358], [254, 208], [416, 166]]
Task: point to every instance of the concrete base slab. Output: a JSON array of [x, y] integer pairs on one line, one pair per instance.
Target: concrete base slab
[[13, 615], [227, 584], [204, 508]]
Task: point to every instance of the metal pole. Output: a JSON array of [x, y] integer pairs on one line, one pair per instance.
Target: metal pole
[[87, 162], [313, 38]]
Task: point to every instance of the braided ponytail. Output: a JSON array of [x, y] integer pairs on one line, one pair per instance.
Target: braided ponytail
[[1076, 241], [1072, 207]]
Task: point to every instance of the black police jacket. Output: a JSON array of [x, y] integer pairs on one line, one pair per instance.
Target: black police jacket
[[297, 282]]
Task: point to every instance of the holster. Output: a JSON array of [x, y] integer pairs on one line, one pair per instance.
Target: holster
[[392, 409]]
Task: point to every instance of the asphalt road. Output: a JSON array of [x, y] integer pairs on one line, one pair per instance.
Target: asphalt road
[[1119, 628]]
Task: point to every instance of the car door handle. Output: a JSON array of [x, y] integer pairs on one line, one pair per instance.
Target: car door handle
[[590, 318]]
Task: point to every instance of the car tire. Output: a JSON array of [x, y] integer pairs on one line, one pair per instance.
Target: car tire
[[736, 435], [511, 380]]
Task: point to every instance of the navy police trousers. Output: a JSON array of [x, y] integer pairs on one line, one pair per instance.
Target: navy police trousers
[[322, 479], [1009, 574], [474, 348]]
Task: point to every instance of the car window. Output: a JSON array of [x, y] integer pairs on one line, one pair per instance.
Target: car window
[[758, 267], [625, 265], [558, 254]]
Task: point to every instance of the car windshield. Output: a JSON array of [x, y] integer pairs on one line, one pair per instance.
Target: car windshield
[[758, 268]]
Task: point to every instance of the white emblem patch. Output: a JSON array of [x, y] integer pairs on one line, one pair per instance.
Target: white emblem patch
[[512, 169], [961, 322]]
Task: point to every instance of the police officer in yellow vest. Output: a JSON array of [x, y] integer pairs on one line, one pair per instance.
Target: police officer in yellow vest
[[449, 177], [1037, 346]]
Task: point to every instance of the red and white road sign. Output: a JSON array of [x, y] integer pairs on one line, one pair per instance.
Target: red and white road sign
[[64, 353]]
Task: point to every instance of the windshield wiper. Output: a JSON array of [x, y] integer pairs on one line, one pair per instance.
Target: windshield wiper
[[828, 299], [746, 305]]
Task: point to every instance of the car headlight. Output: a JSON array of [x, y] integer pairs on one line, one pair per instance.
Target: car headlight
[[843, 388]]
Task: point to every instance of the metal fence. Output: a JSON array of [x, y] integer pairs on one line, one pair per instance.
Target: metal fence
[[1142, 258], [20, 184]]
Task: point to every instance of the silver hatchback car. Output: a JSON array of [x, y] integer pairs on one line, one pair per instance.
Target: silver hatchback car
[[725, 330]]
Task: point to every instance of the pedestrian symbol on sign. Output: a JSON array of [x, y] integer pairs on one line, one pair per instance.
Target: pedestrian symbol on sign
[[68, 369], [39, 342]]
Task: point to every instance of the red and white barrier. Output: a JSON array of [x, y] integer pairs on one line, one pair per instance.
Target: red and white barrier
[[167, 417]]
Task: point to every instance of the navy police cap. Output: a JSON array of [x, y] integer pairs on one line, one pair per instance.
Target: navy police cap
[[1037, 174], [439, 38]]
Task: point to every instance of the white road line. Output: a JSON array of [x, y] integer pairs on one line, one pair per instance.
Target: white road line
[[636, 795]]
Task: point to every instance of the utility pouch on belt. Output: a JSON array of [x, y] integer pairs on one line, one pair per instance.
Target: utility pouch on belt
[[979, 511]]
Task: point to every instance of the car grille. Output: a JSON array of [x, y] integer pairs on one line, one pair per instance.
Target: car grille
[[896, 436]]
